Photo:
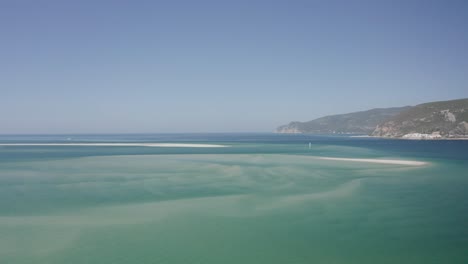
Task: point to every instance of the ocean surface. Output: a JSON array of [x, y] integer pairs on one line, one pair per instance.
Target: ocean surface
[[264, 198]]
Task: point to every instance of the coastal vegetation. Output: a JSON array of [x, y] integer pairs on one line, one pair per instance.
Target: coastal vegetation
[[434, 120]]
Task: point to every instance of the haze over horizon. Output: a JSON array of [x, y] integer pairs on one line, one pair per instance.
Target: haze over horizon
[[222, 66]]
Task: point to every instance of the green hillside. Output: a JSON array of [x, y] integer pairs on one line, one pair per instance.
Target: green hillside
[[363, 122], [449, 119]]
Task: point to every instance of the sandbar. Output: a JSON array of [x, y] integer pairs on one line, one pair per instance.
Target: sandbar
[[162, 145], [380, 161]]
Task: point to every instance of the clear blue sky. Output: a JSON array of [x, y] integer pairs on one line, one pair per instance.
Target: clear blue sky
[[220, 66]]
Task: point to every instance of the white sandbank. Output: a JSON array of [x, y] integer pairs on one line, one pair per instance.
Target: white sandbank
[[163, 145], [381, 161]]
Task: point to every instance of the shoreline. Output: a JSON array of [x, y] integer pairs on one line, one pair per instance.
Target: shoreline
[[428, 139], [368, 136]]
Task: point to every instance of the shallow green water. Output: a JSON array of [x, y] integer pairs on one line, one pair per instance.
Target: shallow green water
[[250, 203]]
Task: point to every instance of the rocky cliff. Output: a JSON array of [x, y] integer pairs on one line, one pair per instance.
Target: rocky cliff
[[446, 119], [363, 122]]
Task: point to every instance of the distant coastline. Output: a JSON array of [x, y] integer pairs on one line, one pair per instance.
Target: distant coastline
[[428, 121]]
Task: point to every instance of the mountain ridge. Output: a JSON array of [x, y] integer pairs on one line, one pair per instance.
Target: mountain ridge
[[440, 119], [431, 120], [361, 122]]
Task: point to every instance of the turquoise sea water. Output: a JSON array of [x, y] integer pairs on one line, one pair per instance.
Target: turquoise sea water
[[266, 198]]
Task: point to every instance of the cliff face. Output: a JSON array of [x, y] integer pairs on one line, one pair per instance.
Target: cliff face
[[358, 122], [291, 128], [447, 119]]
